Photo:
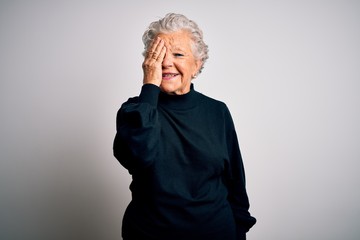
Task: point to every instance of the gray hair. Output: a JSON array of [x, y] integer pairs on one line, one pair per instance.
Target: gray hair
[[173, 22]]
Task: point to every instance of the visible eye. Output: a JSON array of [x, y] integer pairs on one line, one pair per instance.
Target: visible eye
[[178, 55]]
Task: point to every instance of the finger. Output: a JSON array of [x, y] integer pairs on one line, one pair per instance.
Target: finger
[[153, 47], [157, 52], [162, 54]]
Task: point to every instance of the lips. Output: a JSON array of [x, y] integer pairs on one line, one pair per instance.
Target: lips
[[169, 76]]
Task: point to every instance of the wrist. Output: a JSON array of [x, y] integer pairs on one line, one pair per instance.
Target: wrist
[[149, 94], [151, 80]]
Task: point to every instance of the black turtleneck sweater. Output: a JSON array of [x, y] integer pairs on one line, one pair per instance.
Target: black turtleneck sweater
[[188, 180]]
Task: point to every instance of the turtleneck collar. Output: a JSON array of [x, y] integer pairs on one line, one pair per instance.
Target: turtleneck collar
[[179, 102]]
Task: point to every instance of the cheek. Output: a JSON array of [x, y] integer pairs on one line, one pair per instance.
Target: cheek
[[185, 68], [181, 67], [189, 67]]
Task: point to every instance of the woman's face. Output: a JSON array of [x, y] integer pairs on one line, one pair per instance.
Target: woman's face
[[179, 64]]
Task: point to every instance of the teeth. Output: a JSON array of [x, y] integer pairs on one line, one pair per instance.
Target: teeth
[[169, 75]]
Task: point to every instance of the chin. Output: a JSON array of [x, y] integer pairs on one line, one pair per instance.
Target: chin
[[167, 88], [167, 91]]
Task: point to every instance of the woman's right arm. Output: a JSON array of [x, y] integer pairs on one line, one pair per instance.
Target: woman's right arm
[[138, 130], [137, 123]]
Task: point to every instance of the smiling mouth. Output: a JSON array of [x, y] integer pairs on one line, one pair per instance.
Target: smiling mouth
[[169, 75]]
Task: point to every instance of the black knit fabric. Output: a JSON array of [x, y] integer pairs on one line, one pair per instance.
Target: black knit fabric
[[188, 180]]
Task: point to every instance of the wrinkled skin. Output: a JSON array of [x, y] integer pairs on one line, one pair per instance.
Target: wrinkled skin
[[170, 63]]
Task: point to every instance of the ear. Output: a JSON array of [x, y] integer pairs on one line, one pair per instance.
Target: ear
[[198, 65]]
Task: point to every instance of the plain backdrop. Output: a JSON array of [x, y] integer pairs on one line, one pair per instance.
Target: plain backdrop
[[289, 70]]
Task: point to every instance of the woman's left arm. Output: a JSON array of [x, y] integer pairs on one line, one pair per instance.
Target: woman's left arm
[[235, 180]]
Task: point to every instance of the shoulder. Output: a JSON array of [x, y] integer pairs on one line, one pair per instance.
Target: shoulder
[[130, 101], [212, 103], [216, 108]]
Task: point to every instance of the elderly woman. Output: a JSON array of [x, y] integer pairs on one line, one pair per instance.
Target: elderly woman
[[180, 146]]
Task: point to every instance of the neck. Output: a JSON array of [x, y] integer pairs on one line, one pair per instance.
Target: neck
[[183, 101]]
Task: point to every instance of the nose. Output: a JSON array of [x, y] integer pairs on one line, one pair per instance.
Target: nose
[[168, 60]]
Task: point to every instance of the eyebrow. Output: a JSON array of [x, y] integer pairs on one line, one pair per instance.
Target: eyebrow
[[178, 49]]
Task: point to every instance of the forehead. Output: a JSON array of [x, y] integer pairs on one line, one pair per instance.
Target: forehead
[[179, 39]]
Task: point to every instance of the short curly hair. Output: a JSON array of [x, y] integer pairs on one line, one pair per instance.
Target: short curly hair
[[173, 22]]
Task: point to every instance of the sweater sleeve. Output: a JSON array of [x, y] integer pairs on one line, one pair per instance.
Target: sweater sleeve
[[137, 130], [235, 180]]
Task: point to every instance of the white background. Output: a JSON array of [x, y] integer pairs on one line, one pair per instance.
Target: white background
[[288, 70]]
